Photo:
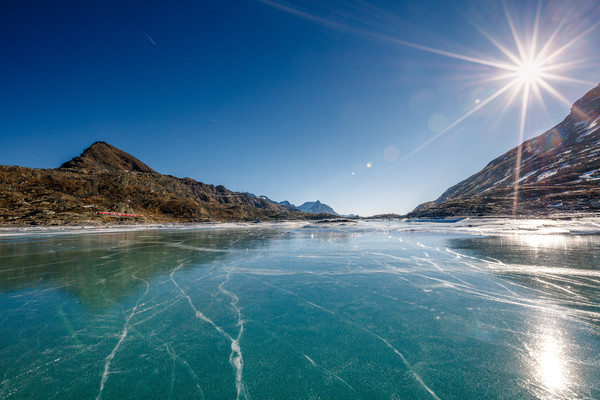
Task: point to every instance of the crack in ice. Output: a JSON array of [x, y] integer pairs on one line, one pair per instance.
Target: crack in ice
[[126, 326], [235, 357], [409, 367], [328, 372]]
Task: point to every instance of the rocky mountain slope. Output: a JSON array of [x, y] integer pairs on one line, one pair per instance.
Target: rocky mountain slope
[[316, 207], [106, 179], [102, 155], [558, 172], [311, 207]]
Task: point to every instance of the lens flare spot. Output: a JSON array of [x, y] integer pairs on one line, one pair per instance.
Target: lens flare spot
[[369, 164], [437, 122], [391, 153]]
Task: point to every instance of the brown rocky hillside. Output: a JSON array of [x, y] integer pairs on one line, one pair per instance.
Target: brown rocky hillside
[[102, 155], [559, 173], [106, 179]]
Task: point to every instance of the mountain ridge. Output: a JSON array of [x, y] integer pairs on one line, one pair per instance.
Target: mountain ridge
[[559, 172], [311, 207], [105, 179], [316, 207]]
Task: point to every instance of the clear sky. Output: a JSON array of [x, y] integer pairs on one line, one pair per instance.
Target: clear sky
[[349, 102]]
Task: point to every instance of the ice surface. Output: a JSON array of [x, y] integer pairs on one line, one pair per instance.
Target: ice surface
[[470, 309]]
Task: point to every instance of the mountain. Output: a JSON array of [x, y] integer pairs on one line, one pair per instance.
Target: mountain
[[556, 172], [316, 207], [287, 204], [106, 179], [311, 207], [101, 155]]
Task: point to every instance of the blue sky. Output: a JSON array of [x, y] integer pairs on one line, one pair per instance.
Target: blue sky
[[338, 101]]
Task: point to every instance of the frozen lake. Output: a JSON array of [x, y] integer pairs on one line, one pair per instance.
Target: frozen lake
[[385, 310]]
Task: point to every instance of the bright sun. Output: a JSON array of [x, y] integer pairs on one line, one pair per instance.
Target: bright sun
[[529, 72]]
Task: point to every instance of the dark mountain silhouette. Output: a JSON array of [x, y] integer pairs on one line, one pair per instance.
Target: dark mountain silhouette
[[102, 155]]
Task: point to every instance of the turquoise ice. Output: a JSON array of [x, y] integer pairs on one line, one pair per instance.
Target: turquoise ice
[[369, 310]]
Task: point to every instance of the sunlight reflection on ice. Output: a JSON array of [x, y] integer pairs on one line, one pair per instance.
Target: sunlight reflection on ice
[[549, 363], [542, 241]]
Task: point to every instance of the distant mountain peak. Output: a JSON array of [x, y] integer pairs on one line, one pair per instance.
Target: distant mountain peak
[[316, 207], [101, 155]]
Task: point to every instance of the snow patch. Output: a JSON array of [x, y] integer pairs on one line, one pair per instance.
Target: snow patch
[[546, 175], [593, 175], [591, 128], [501, 180], [526, 176]]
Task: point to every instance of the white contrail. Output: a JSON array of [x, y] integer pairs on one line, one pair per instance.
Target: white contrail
[[150, 39]]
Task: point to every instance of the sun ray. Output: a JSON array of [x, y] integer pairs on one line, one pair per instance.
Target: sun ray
[[565, 79], [498, 45], [548, 44], [459, 120], [570, 43], [499, 77], [305, 15], [511, 99], [555, 93], [538, 95], [571, 64], [580, 113], [490, 63], [515, 35], [520, 147], [534, 35], [574, 109], [338, 26]]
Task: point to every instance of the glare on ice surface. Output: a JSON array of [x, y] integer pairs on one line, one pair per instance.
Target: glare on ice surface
[[353, 310]]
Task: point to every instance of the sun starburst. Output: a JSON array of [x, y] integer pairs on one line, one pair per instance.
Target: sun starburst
[[529, 72], [528, 69]]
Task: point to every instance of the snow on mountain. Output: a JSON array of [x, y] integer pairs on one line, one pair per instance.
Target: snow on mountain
[[558, 167], [316, 207]]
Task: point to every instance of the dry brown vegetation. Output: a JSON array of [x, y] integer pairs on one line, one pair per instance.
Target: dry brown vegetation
[[99, 180]]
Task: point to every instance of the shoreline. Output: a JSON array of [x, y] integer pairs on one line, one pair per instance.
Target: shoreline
[[8, 231], [481, 226]]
